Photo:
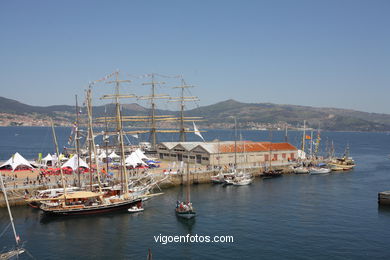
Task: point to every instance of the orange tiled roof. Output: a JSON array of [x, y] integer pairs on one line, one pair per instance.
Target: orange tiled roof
[[249, 146]]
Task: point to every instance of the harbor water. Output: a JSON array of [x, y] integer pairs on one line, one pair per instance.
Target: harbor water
[[332, 216]]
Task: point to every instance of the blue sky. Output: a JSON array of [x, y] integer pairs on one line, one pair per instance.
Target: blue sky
[[316, 53]]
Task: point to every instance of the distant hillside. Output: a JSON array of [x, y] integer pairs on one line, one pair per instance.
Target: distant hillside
[[220, 114], [326, 118]]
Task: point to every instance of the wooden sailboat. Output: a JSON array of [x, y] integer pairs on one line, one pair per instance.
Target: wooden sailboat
[[18, 248], [344, 163], [185, 209], [88, 202], [242, 177]]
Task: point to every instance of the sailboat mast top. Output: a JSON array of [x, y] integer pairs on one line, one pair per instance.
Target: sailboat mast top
[[118, 96], [182, 99], [153, 98]]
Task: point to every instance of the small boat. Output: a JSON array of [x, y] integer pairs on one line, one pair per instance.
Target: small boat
[[185, 209], [135, 209], [336, 168], [228, 180], [242, 181], [344, 163], [317, 170], [218, 179], [340, 166]]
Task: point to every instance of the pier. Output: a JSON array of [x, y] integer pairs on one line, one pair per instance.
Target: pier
[[199, 175], [384, 198]]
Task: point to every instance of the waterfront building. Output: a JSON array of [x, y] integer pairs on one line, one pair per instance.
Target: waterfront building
[[223, 153]]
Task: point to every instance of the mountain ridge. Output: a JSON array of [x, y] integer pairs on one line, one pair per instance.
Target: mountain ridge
[[220, 114]]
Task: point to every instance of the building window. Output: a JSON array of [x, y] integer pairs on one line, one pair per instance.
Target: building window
[[283, 155], [192, 157], [205, 158], [292, 156], [266, 157], [275, 157], [173, 155]]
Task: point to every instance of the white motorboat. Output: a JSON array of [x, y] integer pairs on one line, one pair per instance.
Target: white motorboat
[[135, 209], [316, 170], [242, 181]]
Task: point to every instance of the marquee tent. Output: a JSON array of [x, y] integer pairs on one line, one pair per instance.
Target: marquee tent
[[73, 163], [15, 161]]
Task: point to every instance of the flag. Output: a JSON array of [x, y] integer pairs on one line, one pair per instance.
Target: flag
[[196, 131], [308, 137], [135, 135], [17, 238]]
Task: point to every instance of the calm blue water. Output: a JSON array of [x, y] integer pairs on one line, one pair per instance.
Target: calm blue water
[[334, 216]]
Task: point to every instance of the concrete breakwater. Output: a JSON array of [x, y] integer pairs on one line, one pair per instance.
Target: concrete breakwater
[[16, 196]]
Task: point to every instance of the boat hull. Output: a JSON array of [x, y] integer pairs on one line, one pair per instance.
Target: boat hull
[[186, 214], [92, 210], [319, 171]]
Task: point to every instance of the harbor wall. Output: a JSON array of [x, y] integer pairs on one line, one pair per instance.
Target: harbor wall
[[16, 196]]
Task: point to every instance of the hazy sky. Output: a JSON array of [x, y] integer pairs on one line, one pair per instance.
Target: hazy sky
[[317, 53]]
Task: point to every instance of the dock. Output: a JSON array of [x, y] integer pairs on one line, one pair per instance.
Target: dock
[[384, 198]]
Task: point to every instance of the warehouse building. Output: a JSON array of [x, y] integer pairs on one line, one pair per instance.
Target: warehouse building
[[223, 153]]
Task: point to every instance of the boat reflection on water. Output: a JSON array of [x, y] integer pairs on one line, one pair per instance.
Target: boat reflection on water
[[47, 219], [187, 224]]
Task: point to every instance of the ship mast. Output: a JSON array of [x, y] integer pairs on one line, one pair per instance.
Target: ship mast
[[152, 98], [58, 159], [235, 142], [182, 99], [270, 150], [9, 210], [77, 137], [304, 136], [92, 139], [119, 129], [188, 179]]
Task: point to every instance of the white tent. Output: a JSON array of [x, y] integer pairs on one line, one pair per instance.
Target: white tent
[[102, 155], [134, 160], [140, 154], [113, 155], [15, 161], [73, 163], [49, 158]]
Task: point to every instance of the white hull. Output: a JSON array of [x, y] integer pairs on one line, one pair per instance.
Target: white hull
[[319, 171], [243, 182]]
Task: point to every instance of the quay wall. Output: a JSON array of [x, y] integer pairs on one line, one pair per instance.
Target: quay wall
[[16, 196]]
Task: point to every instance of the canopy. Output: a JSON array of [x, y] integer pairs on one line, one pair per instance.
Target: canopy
[[74, 195], [113, 155], [15, 161], [48, 158], [134, 160], [140, 154], [73, 163]]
